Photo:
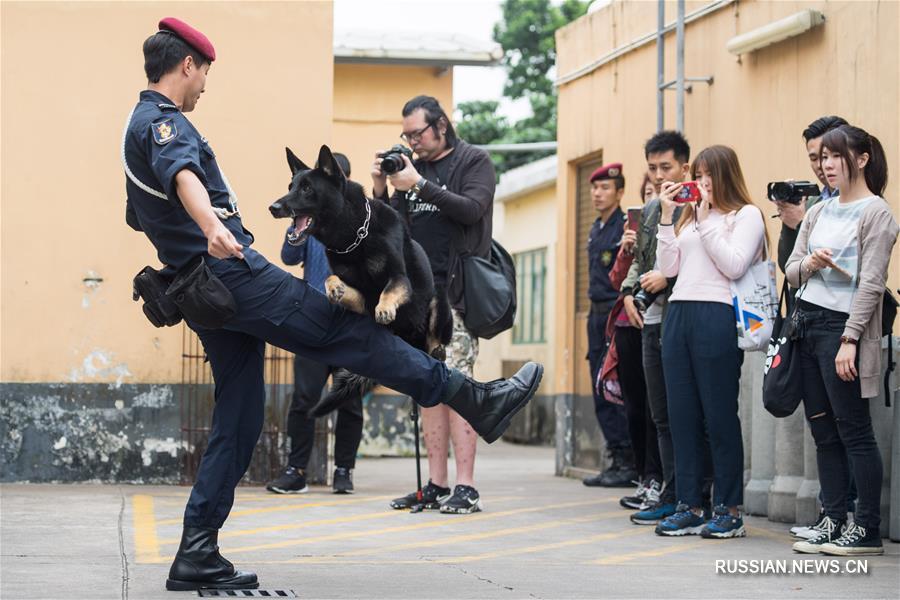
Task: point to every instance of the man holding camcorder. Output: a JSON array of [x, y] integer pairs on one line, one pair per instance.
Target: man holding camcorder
[[447, 196]]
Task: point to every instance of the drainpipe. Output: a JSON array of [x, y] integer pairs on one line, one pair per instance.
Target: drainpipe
[[660, 64], [679, 85]]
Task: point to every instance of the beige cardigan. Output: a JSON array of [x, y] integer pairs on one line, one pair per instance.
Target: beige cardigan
[[876, 237]]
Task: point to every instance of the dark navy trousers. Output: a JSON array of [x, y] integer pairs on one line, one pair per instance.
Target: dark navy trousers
[[703, 371], [275, 307], [611, 417]]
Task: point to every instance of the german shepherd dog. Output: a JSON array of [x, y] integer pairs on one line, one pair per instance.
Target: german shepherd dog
[[378, 269]]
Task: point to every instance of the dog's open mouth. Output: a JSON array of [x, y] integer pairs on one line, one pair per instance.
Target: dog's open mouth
[[301, 225]]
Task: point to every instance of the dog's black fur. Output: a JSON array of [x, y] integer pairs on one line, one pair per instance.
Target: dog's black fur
[[387, 275]]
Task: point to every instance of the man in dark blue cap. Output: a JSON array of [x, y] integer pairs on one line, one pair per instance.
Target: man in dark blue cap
[[179, 198]]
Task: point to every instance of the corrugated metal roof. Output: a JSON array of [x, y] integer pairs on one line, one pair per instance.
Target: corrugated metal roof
[[414, 48]]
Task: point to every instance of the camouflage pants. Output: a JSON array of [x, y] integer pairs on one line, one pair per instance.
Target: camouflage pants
[[463, 347]]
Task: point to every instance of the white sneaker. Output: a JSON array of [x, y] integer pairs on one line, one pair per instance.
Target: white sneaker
[[810, 531]]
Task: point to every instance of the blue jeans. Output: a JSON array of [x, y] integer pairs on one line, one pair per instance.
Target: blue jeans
[[703, 370]]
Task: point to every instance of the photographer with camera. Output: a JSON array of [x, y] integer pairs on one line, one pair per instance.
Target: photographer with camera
[[447, 196], [795, 199], [719, 235]]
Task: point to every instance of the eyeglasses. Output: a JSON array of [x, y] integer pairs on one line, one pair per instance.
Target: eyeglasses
[[415, 136]]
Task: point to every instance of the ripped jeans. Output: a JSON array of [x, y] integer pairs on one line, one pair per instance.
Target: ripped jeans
[[839, 419]]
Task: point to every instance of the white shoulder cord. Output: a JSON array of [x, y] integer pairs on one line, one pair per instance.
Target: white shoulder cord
[[222, 213]]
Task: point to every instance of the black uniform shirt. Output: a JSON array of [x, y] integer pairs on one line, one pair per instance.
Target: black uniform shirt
[[160, 142], [603, 247]]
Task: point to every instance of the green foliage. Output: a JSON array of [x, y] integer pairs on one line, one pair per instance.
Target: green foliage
[[526, 34]]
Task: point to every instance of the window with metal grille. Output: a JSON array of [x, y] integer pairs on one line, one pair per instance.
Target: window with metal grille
[[531, 279], [585, 216]]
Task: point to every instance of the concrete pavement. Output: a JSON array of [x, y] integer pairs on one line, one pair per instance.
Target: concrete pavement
[[540, 536]]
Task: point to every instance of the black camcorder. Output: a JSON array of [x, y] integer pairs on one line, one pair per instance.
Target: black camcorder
[[392, 160], [792, 192]]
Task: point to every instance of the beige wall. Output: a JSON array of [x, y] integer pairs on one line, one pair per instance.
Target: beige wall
[[367, 104], [527, 222], [759, 105], [70, 74]]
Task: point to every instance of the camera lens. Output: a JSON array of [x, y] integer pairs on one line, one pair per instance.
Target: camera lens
[[392, 163]]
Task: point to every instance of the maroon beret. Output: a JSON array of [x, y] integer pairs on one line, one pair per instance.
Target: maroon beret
[[191, 36], [610, 171]]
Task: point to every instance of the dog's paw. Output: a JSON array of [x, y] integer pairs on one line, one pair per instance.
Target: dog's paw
[[335, 289], [385, 313], [439, 353]]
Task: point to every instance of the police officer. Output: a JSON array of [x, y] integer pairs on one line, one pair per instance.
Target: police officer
[[607, 189], [181, 200]]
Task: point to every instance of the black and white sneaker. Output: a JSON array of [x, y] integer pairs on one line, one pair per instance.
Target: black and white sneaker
[[827, 530], [432, 498], [806, 532], [652, 495], [342, 482], [637, 499], [292, 481], [856, 541], [465, 500]]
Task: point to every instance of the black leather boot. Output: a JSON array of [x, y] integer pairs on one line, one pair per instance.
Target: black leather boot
[[621, 472], [199, 566], [489, 407]]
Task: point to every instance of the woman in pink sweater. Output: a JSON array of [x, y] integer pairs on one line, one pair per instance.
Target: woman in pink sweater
[[713, 243]]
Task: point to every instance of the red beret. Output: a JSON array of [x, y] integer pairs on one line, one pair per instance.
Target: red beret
[[191, 36], [610, 171]]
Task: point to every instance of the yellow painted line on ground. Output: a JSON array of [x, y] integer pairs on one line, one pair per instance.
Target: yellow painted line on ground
[[447, 541], [146, 545], [543, 547], [784, 538], [443, 522], [682, 546], [285, 508], [337, 520]]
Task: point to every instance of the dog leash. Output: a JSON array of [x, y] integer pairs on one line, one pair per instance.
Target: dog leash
[[222, 213], [361, 233]]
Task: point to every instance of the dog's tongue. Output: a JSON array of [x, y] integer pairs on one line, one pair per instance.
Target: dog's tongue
[[301, 223]]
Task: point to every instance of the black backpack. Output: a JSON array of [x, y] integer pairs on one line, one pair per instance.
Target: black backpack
[[490, 292]]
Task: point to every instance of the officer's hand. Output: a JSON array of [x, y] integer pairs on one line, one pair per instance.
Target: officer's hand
[[405, 178], [222, 243], [653, 281], [634, 315], [629, 237], [379, 179]]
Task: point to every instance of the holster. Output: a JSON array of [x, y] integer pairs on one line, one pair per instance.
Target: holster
[[150, 286], [201, 296]]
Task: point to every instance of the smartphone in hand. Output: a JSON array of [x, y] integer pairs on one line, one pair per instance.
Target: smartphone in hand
[[689, 192], [633, 217]]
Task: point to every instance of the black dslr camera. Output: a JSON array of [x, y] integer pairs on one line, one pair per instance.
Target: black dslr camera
[[792, 192], [643, 299], [392, 160]]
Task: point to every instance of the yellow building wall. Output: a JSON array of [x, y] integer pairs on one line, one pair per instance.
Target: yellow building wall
[[367, 104], [527, 222], [71, 72], [758, 104]]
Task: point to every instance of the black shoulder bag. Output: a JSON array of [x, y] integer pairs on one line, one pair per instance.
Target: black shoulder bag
[[489, 288], [782, 380]]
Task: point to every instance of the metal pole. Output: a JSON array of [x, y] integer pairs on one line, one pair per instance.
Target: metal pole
[[660, 64], [679, 32]]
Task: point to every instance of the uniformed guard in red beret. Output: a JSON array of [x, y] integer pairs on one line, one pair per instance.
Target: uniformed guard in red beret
[[236, 301], [607, 190]]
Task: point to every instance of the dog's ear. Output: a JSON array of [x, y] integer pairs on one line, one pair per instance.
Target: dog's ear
[[295, 163], [329, 165]]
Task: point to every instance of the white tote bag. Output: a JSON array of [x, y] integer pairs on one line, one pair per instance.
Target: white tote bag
[[755, 300]]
